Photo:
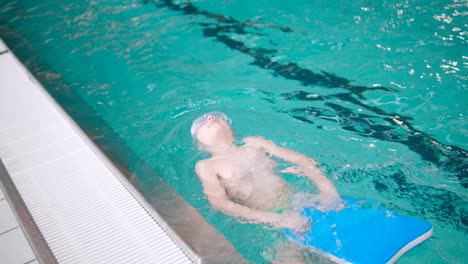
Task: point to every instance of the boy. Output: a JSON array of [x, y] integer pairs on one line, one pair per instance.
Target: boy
[[241, 181]]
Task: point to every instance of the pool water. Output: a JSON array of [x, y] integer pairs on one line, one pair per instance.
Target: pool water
[[375, 91]]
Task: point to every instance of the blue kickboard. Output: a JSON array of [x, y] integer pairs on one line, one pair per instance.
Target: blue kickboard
[[362, 232]]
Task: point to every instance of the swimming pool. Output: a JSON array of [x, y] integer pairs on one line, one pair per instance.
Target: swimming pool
[[374, 91]]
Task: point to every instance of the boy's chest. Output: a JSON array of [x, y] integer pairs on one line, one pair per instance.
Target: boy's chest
[[245, 164]]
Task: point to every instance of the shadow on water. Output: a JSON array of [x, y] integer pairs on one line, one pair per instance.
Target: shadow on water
[[380, 124]]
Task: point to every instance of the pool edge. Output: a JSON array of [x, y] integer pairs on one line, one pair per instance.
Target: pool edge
[[31, 231]]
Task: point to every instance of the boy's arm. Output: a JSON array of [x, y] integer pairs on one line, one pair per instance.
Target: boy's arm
[[218, 199], [306, 166]]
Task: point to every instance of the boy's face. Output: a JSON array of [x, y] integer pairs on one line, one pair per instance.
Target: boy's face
[[215, 132]]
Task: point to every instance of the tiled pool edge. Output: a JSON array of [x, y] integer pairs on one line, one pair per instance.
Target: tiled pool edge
[[29, 228], [34, 235], [23, 219]]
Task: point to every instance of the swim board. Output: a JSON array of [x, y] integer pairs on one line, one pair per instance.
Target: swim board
[[362, 232]]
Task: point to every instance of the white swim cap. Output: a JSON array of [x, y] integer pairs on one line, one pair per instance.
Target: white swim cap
[[200, 121]]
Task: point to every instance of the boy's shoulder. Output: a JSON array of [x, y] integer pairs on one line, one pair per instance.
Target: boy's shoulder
[[206, 164]]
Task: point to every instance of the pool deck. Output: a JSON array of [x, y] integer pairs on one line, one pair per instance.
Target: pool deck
[[14, 247], [61, 199]]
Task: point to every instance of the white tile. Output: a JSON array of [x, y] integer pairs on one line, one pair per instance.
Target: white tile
[[33, 262], [7, 218], [14, 248]]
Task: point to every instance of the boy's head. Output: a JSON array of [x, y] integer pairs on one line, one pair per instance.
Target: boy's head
[[212, 129]]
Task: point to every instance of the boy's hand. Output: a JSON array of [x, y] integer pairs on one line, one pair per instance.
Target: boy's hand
[[295, 222], [301, 170]]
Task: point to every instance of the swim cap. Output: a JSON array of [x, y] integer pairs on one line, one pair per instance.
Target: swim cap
[[200, 121]]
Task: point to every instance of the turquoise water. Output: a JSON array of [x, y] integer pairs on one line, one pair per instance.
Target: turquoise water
[[374, 90]]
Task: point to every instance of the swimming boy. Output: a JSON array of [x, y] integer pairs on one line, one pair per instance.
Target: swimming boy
[[242, 181]]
